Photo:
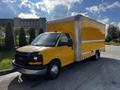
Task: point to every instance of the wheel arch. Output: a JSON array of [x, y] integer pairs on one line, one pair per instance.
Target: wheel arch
[[97, 51], [55, 60]]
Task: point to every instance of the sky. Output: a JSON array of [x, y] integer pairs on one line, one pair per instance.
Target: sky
[[105, 11]]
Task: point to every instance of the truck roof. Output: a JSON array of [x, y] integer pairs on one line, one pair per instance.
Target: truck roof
[[72, 18]]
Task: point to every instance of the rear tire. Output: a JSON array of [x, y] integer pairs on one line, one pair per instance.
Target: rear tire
[[53, 70], [97, 55]]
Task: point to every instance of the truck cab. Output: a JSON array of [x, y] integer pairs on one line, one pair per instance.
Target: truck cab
[[47, 53]]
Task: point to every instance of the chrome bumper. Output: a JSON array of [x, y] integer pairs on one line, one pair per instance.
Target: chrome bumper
[[22, 70], [31, 72]]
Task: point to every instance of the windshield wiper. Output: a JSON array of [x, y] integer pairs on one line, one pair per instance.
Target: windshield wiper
[[42, 45], [37, 45]]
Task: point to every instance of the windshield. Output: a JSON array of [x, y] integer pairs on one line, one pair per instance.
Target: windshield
[[45, 39]]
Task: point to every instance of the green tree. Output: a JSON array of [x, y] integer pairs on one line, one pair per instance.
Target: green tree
[[113, 33], [1, 38], [1, 35], [22, 38], [9, 39], [31, 34], [16, 34], [119, 34]]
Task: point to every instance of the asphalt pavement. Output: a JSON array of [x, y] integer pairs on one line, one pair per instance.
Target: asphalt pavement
[[103, 74]]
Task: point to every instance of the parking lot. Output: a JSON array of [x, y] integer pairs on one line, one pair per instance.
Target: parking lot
[[103, 74]]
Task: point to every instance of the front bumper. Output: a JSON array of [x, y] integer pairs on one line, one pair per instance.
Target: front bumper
[[31, 70]]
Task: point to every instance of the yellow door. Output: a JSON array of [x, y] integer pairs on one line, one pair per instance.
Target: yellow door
[[65, 47]]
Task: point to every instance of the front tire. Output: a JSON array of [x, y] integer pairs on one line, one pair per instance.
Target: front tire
[[53, 70]]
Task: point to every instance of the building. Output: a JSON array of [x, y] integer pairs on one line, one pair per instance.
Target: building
[[38, 24], [3, 22]]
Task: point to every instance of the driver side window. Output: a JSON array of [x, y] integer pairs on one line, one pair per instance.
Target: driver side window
[[63, 40]]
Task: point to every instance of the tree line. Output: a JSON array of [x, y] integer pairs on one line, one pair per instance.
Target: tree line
[[113, 34], [16, 37]]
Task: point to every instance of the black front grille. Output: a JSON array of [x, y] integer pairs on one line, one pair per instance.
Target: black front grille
[[22, 58]]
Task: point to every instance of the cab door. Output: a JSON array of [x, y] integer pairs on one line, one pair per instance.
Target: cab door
[[65, 46]]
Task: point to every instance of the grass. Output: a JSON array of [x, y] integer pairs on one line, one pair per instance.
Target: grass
[[113, 43], [5, 59], [108, 43]]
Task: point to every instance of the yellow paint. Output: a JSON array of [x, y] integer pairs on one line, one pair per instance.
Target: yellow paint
[[31, 48], [91, 30], [85, 47], [89, 33], [65, 27], [83, 57], [63, 53]]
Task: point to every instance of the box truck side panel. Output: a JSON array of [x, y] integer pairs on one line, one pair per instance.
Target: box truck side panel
[[92, 37]]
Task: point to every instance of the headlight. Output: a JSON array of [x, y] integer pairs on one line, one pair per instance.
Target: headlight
[[35, 58]]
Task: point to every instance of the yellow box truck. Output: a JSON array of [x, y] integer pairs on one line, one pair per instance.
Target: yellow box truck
[[66, 41]]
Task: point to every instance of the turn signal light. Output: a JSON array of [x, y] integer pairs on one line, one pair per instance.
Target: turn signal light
[[35, 63]]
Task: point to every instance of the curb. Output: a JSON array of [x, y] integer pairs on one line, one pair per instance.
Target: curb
[[7, 71]]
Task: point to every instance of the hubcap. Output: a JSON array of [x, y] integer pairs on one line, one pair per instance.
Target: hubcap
[[54, 70]]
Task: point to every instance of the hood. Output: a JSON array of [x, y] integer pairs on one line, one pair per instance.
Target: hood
[[31, 48]]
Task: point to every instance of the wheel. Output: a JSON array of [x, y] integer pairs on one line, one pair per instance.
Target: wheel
[[53, 70], [97, 55]]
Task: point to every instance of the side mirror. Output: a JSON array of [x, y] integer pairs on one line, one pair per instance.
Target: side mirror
[[70, 43]]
